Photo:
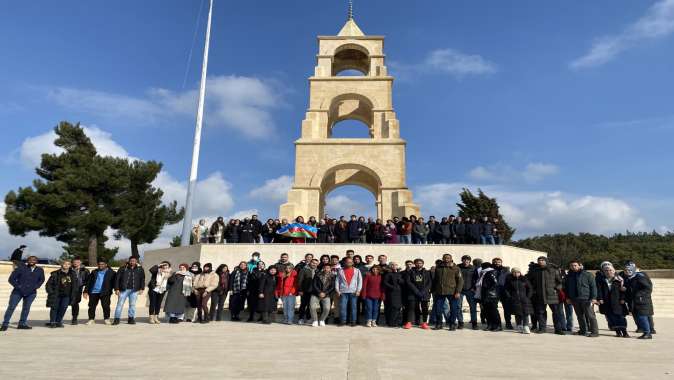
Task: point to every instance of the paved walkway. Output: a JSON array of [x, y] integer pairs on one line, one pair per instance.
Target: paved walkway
[[240, 350]]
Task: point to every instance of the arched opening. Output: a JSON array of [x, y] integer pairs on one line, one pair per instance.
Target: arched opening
[[352, 58], [350, 129], [350, 175], [350, 200]]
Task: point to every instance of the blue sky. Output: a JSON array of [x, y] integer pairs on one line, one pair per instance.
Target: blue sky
[[563, 111]]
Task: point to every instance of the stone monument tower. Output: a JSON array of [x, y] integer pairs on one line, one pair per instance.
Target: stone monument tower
[[324, 163]]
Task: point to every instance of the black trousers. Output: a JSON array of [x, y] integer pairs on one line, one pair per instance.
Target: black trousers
[[393, 315], [218, 306], [303, 312], [417, 311], [155, 301], [75, 307], [93, 303], [542, 315], [237, 303], [253, 300], [491, 313]]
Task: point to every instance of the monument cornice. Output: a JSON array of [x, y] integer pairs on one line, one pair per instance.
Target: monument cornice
[[350, 141], [351, 79], [350, 38]]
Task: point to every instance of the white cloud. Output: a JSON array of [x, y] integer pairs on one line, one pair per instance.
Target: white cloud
[[458, 64], [238, 103], [275, 189], [539, 212], [533, 172], [658, 22], [338, 205], [32, 148]]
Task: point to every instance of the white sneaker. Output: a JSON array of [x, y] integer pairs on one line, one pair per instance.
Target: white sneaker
[[91, 322], [300, 322], [526, 330], [374, 324], [315, 324], [107, 322], [321, 323]]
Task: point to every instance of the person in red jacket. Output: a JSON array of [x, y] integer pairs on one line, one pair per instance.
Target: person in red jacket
[[286, 289], [373, 294]]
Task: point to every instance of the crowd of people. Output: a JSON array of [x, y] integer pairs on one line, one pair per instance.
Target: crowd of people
[[412, 230], [350, 291]]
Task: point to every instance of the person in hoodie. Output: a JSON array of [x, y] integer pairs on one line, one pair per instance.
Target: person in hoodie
[[468, 291], [159, 275], [546, 283], [348, 285], [129, 284], [204, 284], [611, 298], [62, 289], [286, 290], [418, 294], [581, 292], [372, 293], [266, 292], [447, 286], [192, 301], [254, 259], [322, 288], [489, 297], [394, 283], [638, 289], [219, 295], [517, 291]]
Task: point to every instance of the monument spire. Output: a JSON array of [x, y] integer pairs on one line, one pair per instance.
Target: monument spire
[[350, 29], [350, 14]]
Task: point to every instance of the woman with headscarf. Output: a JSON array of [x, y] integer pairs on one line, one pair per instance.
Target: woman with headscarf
[[517, 290], [219, 295], [192, 305], [179, 288], [266, 294], [638, 296], [611, 299], [157, 286]]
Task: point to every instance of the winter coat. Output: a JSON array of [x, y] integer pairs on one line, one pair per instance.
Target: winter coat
[[486, 228], [467, 272], [444, 230], [447, 279], [176, 302], [342, 233], [546, 283], [254, 279], [418, 285], [61, 284], [354, 286], [325, 233], [108, 282], [267, 287], [460, 230], [82, 276], [223, 283], [323, 284], [247, 233], [304, 279], [489, 289], [285, 284], [518, 291], [128, 278], [393, 288], [356, 228], [420, 230], [612, 299], [580, 286], [372, 287], [26, 281], [391, 234], [638, 295], [208, 281]]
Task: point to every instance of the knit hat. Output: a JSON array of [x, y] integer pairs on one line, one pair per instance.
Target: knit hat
[[515, 269], [605, 265]]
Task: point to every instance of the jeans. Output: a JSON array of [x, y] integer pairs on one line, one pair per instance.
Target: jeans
[[289, 308], [644, 324], [14, 299], [405, 239], [217, 306], [372, 306], [434, 311], [132, 295], [93, 303], [487, 239], [347, 300], [585, 313], [454, 308], [568, 312], [324, 304], [469, 295], [57, 311]]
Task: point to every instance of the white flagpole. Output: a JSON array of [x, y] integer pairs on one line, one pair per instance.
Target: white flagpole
[[187, 221]]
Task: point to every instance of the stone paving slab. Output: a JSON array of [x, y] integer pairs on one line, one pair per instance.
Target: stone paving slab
[[227, 350]]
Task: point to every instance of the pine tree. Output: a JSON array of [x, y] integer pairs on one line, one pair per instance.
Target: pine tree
[[477, 207]]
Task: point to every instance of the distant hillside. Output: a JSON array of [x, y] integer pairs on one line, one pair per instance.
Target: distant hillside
[[648, 250]]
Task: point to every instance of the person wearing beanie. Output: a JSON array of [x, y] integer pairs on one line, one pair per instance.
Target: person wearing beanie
[[546, 283], [518, 291], [611, 299], [638, 295]]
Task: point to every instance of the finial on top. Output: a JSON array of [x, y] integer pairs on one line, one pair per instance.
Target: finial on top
[[350, 15]]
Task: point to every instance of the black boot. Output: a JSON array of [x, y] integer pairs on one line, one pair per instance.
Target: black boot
[[131, 321], [115, 322], [474, 324], [460, 326], [625, 334]]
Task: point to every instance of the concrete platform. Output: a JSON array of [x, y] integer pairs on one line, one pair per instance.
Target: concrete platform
[[229, 350]]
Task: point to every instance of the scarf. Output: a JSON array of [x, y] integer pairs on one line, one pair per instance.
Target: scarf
[[162, 280], [188, 278], [240, 281], [478, 284]]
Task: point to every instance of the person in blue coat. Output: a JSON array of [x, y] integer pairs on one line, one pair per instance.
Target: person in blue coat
[[25, 279]]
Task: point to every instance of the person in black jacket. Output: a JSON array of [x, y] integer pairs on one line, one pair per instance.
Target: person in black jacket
[[82, 274], [393, 301], [489, 297], [322, 289], [266, 294], [418, 294], [518, 291], [62, 290], [611, 298], [473, 230], [305, 278], [254, 278], [25, 279], [99, 287], [638, 295], [129, 283], [468, 273]]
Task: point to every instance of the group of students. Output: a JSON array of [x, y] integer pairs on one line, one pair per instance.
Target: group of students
[[352, 290], [358, 230]]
